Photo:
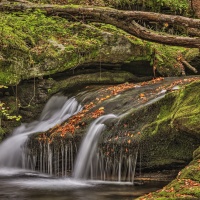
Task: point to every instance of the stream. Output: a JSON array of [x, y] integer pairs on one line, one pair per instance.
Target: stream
[[19, 184], [24, 176]]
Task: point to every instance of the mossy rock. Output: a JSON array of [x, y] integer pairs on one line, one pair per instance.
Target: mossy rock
[[185, 186], [34, 45], [196, 154], [176, 126], [79, 81], [38, 45], [169, 128]]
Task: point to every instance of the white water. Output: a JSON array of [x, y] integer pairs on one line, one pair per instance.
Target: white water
[[89, 146], [90, 162], [52, 184], [56, 111]]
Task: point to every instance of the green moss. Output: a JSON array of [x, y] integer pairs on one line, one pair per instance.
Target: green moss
[[9, 78], [35, 45], [196, 154], [189, 110], [166, 58], [38, 45], [185, 108], [172, 6], [191, 54]]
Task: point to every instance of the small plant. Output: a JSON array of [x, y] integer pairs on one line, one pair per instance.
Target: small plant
[[4, 111]]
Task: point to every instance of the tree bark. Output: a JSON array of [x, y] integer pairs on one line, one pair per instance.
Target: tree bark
[[194, 32], [195, 4], [124, 20]]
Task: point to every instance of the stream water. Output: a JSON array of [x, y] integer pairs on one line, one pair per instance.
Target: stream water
[[89, 147], [90, 173], [19, 184], [57, 109], [24, 184]]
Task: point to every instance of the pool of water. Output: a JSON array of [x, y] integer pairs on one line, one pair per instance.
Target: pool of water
[[27, 185]]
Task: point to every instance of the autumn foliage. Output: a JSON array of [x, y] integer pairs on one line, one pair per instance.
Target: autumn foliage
[[90, 111]]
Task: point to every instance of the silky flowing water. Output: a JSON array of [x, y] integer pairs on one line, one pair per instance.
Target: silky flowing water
[[88, 147], [18, 184], [94, 176], [57, 109]]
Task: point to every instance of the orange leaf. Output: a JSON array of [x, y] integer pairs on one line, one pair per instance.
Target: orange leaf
[[142, 95]]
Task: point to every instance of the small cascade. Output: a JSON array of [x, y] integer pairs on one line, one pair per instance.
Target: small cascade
[[105, 154], [50, 159], [99, 157], [13, 152], [98, 162], [114, 167], [89, 146]]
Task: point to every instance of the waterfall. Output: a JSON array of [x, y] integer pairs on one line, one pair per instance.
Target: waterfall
[[89, 146], [100, 162], [98, 158], [57, 109]]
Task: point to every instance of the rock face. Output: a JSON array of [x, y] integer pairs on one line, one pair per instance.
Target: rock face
[[166, 131], [29, 97]]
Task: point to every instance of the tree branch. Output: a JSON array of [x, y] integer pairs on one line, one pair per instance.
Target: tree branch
[[119, 18]]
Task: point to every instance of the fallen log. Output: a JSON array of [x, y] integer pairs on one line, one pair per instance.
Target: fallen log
[[124, 20]]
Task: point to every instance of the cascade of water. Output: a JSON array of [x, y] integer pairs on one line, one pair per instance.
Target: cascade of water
[[120, 166], [66, 158], [113, 164], [58, 162], [62, 158], [88, 146], [72, 159], [49, 161], [91, 162], [57, 110]]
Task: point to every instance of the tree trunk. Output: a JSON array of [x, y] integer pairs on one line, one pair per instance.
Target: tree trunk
[[124, 20]]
